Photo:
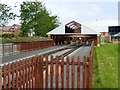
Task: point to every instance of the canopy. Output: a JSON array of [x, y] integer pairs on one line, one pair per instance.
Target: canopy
[[116, 35]]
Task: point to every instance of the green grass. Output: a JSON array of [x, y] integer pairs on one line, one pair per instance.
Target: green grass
[[105, 67], [23, 39]]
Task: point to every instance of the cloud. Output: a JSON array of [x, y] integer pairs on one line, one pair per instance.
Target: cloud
[[94, 10], [77, 10], [81, 0]]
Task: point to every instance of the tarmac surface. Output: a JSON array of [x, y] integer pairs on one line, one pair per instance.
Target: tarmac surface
[[82, 51], [19, 56]]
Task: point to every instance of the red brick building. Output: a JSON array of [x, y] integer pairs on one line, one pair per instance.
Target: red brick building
[[15, 29]]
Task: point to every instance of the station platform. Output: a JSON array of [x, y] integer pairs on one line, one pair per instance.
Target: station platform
[[82, 51], [23, 55]]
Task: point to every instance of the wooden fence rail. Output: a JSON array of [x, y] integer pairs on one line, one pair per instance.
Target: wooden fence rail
[[13, 48], [40, 72]]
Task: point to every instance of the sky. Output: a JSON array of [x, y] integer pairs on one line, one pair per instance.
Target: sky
[[77, 10]]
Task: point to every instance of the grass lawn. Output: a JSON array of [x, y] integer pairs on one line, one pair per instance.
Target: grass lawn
[[23, 39], [105, 67]]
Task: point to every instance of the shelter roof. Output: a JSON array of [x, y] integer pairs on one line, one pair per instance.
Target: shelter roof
[[61, 30]]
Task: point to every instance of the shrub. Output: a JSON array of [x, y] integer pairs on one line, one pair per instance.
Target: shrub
[[7, 35]]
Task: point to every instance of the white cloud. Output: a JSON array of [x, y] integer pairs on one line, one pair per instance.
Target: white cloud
[[81, 0], [78, 10], [94, 10]]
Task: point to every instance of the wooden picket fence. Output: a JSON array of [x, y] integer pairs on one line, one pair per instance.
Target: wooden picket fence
[[40, 72]]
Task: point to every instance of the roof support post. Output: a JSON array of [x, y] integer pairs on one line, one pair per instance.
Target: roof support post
[[98, 39]]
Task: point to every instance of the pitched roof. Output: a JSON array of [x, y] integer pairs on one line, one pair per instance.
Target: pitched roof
[[61, 30], [58, 30], [87, 30], [6, 28]]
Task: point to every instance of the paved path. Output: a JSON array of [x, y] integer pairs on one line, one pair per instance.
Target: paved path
[[82, 51], [23, 55]]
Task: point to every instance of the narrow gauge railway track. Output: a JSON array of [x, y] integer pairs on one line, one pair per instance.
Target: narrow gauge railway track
[[71, 47]]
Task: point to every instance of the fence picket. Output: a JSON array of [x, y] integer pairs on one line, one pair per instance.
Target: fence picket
[[32, 70], [4, 77], [26, 72], [0, 78], [23, 76], [46, 71], [62, 72], [51, 72], [16, 74], [41, 71], [78, 72], [73, 76], [67, 72], [57, 71], [29, 73], [84, 72], [13, 75], [35, 72], [90, 72], [9, 81], [21, 73]]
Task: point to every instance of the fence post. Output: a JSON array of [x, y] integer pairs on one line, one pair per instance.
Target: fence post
[[12, 48], [33, 73], [90, 73], [21, 73], [67, 72], [46, 72], [41, 71], [13, 76], [51, 72], [26, 73], [57, 71], [78, 72], [2, 49], [16, 74], [0, 78], [73, 67], [9, 81], [84, 72], [62, 72], [4, 76], [29, 73]]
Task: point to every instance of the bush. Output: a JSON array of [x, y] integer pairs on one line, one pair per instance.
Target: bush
[[7, 35]]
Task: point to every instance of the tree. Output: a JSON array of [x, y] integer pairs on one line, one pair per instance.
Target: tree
[[35, 18], [5, 14]]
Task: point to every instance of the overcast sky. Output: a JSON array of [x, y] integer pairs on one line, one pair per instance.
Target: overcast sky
[[78, 10]]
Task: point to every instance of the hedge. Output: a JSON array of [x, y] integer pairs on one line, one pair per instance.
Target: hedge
[[7, 35]]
